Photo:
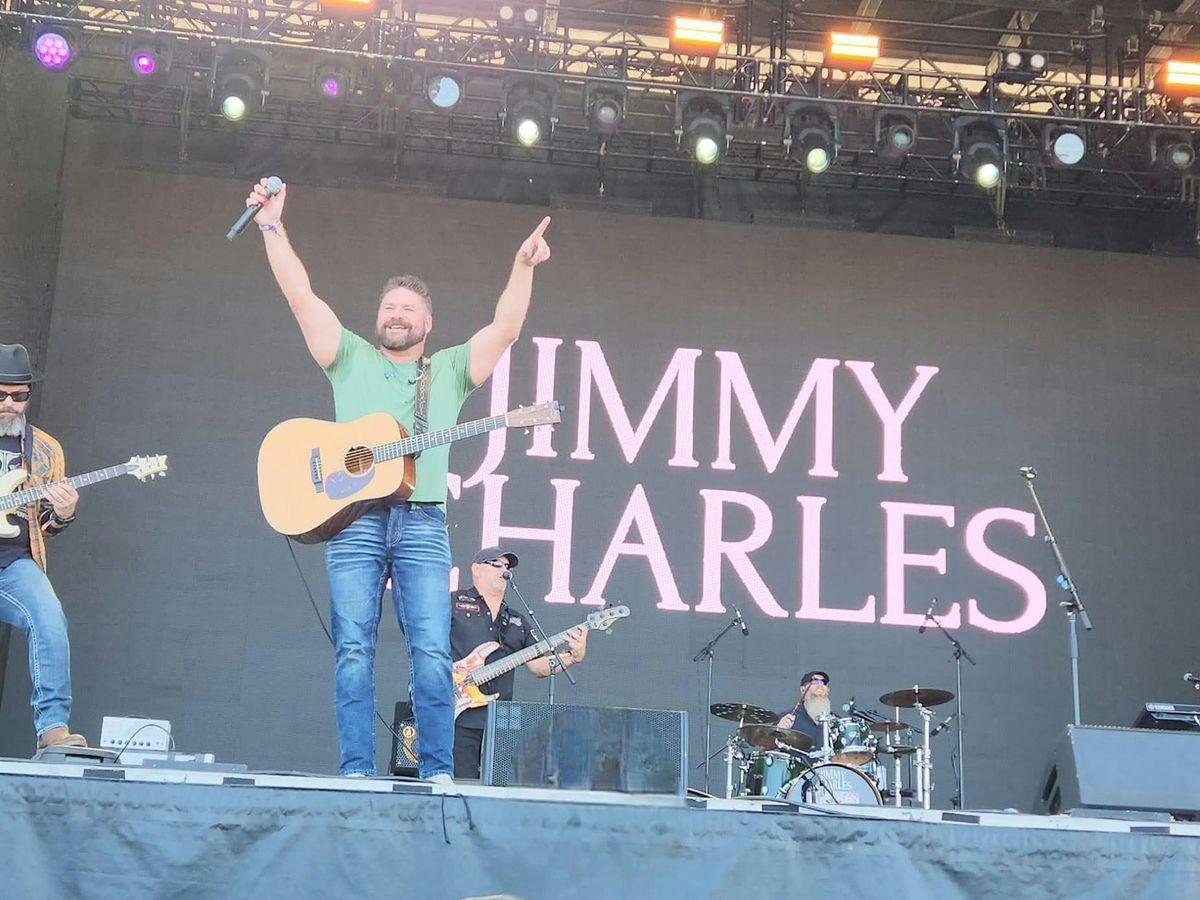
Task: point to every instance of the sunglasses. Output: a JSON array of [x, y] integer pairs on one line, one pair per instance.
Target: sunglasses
[[496, 563], [19, 396], [817, 681]]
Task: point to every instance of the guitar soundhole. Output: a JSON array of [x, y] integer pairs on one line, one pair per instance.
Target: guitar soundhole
[[359, 460]]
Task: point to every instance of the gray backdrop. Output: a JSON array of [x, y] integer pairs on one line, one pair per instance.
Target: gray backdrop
[[184, 605]]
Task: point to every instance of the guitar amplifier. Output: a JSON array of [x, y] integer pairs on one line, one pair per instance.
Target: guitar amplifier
[[1169, 717], [405, 752], [585, 748]]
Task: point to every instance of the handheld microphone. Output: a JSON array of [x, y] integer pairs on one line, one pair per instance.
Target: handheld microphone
[[274, 186], [1028, 472], [944, 725], [738, 618], [928, 615]]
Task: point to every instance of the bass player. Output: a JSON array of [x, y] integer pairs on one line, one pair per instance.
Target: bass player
[[480, 615]]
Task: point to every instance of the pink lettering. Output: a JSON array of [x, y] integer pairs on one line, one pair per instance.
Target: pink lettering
[[891, 419], [716, 548], [897, 559], [1030, 584], [810, 572], [547, 358], [558, 535]]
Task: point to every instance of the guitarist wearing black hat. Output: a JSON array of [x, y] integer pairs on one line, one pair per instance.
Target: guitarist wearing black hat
[[27, 599]]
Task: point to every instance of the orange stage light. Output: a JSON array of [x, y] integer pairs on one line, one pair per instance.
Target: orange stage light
[[697, 37], [851, 51]]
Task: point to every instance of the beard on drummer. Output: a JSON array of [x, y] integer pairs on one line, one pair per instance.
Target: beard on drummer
[[814, 700]]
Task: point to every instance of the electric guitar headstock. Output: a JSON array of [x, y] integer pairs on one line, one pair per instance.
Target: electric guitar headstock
[[143, 468], [603, 619]]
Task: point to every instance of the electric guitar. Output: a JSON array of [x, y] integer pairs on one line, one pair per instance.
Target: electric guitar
[[470, 671], [142, 468], [315, 477]]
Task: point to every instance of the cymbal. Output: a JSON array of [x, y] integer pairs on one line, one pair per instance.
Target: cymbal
[[744, 712], [884, 727], [769, 737], [912, 696], [897, 749]]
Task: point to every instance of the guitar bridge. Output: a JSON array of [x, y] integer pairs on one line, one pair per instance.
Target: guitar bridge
[[314, 467]]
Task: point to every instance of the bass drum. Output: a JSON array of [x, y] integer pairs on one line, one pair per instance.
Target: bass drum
[[833, 784]]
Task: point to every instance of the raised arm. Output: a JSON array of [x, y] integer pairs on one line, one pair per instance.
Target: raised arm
[[318, 323], [489, 343]]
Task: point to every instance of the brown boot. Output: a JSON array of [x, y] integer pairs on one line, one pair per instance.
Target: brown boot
[[60, 736]]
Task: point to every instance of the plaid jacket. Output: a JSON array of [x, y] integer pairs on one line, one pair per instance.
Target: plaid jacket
[[48, 464]]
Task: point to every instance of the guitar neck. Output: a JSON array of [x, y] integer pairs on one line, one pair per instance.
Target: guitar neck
[[418, 442], [486, 673], [33, 494]]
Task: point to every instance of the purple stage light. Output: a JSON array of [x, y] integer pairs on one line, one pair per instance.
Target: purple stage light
[[52, 50], [331, 87], [144, 63]]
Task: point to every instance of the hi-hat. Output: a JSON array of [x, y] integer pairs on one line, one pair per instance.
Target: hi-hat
[[890, 726], [769, 737], [744, 712], [917, 696]]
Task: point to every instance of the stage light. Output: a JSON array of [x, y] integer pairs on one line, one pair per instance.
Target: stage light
[[359, 8], [895, 135], [443, 91], [333, 80], [1179, 78], [851, 51], [239, 81], [703, 121], [981, 146], [149, 57], [809, 136], [1172, 151], [529, 111], [1065, 145], [523, 18], [604, 107], [697, 37], [1017, 64], [54, 47]]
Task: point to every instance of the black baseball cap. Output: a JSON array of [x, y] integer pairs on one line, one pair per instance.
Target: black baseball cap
[[808, 676], [487, 554]]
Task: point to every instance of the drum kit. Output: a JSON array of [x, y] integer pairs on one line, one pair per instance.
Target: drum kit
[[850, 765]]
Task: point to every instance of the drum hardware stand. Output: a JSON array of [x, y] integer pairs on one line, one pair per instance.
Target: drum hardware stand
[[553, 652], [924, 760], [706, 652], [959, 655], [1073, 604]]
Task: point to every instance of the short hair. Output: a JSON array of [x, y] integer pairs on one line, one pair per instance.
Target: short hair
[[412, 283]]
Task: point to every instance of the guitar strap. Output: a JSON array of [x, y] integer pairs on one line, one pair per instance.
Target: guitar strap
[[421, 400]]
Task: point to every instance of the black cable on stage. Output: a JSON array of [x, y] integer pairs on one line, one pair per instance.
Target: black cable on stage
[[170, 737], [328, 635]]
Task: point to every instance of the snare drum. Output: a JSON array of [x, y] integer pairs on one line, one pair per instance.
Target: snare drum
[[832, 784], [770, 772], [853, 742]]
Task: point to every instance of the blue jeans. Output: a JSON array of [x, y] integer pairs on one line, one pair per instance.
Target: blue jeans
[[409, 543], [28, 602]]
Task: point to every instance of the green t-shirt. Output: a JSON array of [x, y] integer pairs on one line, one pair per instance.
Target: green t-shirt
[[365, 381]]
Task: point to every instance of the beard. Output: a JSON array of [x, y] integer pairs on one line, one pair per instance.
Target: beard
[[410, 337], [817, 707], [12, 424]]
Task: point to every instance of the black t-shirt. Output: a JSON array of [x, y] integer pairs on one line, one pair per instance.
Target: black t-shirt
[[471, 624], [806, 725], [12, 549]]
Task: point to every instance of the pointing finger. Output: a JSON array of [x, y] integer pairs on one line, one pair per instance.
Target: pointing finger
[[540, 230]]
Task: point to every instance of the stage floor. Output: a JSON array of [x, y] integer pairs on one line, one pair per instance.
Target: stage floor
[[81, 830]]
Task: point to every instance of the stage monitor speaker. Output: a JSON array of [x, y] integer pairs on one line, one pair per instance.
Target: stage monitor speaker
[[1126, 769], [404, 741], [586, 748]]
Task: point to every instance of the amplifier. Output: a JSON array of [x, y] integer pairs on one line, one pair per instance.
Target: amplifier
[[404, 741], [585, 748], [1096, 767]]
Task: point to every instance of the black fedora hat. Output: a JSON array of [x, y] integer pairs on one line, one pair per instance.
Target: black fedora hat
[[14, 365]]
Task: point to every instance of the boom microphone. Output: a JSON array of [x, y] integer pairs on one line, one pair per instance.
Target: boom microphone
[[274, 186], [1193, 680], [944, 725], [507, 576], [740, 620], [928, 615], [1028, 472]]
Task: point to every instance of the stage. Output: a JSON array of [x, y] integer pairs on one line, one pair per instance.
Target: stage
[[83, 830]]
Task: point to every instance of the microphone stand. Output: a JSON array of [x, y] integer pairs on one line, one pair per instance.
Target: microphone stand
[[1073, 604], [537, 626], [959, 655], [706, 652]]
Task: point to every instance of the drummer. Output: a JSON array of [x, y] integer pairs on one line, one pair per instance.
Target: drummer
[[813, 704]]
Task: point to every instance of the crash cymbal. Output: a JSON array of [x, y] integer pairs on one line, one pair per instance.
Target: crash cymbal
[[914, 696], [769, 737], [743, 712], [884, 727]]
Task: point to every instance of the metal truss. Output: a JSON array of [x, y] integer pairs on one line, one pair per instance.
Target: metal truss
[[392, 54]]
